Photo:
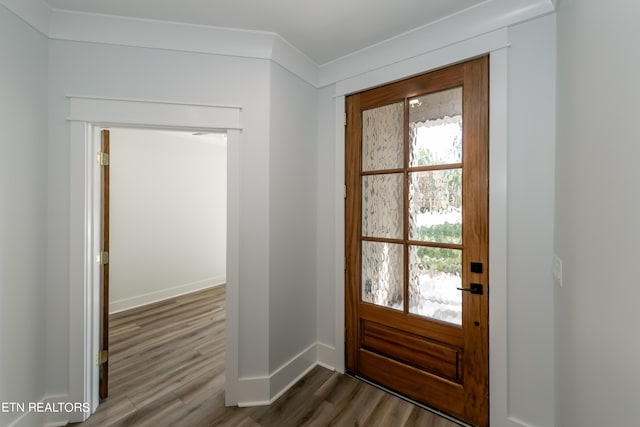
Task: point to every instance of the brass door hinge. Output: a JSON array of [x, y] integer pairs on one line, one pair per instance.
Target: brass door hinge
[[102, 258], [102, 159], [103, 356]]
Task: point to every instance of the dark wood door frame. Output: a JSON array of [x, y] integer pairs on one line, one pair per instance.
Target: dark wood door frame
[[103, 160]]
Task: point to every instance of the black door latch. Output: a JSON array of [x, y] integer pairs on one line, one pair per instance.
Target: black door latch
[[474, 288]]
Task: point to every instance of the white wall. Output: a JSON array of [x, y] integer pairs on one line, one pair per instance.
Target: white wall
[[292, 213], [531, 153], [23, 199], [116, 71], [168, 215], [597, 230]]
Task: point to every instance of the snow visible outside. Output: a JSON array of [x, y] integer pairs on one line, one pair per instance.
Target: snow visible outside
[[438, 298], [441, 138], [437, 295]]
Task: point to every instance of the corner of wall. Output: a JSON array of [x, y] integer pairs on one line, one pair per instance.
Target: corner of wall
[[260, 391], [34, 12], [292, 59], [327, 356], [290, 373]]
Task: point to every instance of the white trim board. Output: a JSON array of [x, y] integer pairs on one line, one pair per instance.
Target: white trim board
[[326, 356], [29, 419], [498, 359], [261, 391], [462, 27], [49, 418], [164, 294], [154, 34], [476, 21], [87, 114], [35, 13], [429, 60], [150, 113]]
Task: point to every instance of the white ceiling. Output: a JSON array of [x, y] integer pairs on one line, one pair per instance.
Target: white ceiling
[[323, 30]]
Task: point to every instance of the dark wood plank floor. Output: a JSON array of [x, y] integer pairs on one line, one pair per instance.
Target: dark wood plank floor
[[166, 368]]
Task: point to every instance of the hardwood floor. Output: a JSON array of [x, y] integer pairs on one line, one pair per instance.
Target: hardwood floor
[[167, 369]]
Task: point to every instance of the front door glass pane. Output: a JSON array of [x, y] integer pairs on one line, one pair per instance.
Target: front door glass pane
[[435, 206], [435, 128], [382, 274], [434, 276], [382, 206], [382, 137]]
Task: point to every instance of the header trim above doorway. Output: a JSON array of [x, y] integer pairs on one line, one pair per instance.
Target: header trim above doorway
[[150, 113]]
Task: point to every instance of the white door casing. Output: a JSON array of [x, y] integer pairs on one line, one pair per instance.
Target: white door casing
[[87, 116]]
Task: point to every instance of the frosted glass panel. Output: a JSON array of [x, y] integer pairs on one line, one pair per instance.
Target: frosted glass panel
[[382, 274], [435, 206], [382, 206], [434, 276], [435, 128], [382, 137]]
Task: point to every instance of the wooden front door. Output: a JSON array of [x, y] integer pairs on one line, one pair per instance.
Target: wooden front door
[[417, 238]]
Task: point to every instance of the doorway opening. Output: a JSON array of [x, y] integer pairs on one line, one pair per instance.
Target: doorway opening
[[164, 216], [168, 207]]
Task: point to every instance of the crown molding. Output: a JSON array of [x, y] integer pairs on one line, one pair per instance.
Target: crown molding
[[482, 19], [34, 12], [292, 59], [154, 34], [147, 33], [477, 46]]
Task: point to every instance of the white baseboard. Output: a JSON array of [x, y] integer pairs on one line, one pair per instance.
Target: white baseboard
[[162, 294], [54, 419], [253, 391], [283, 378], [52, 413], [29, 419], [260, 391], [327, 356], [517, 423]]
